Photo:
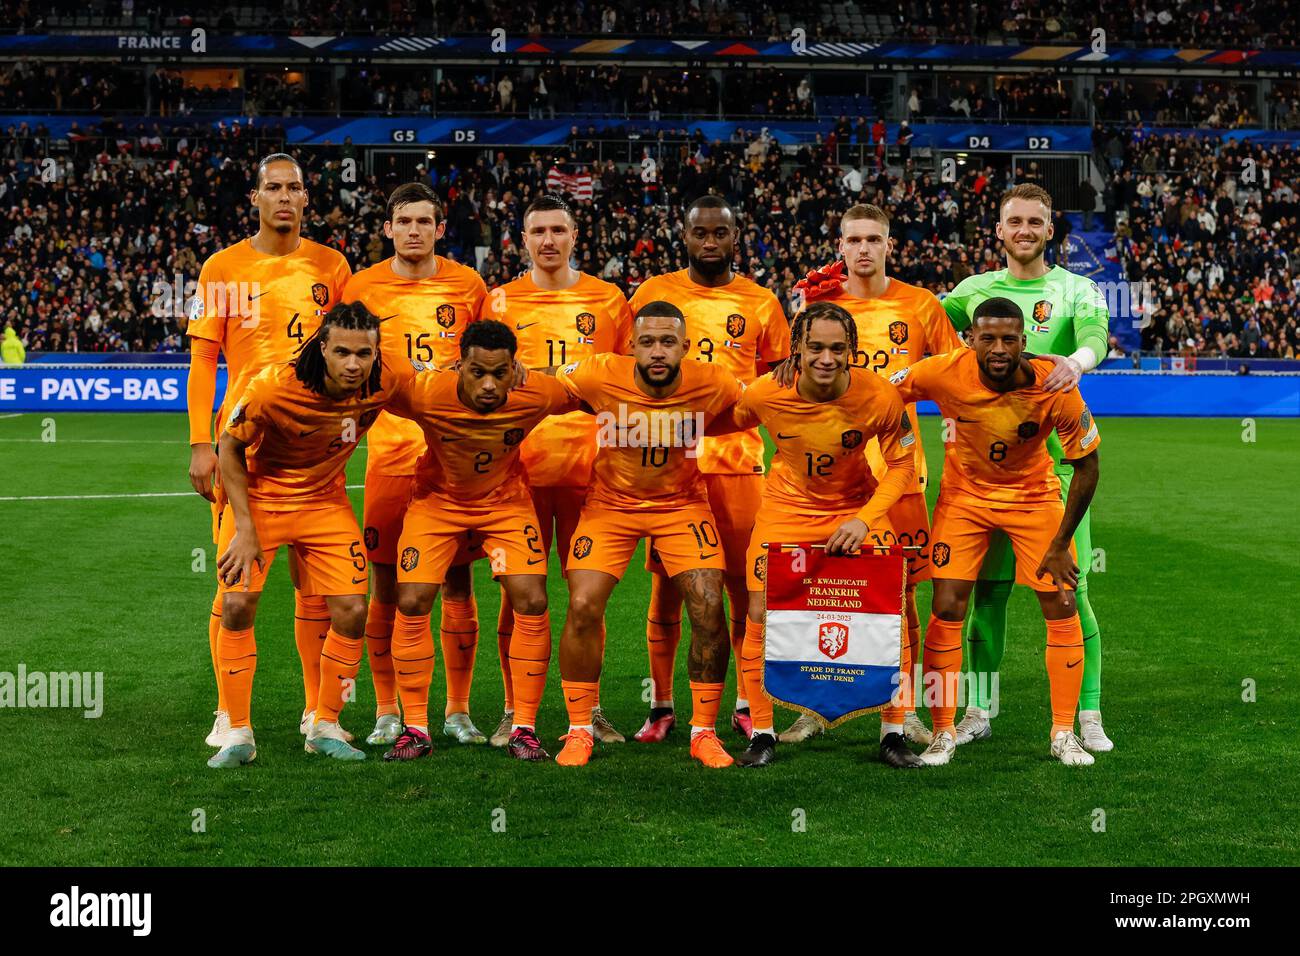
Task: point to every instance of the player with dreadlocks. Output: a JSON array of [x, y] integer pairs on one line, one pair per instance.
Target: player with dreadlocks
[[820, 487], [283, 454]]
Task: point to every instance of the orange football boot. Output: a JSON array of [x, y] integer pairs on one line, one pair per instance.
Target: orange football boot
[[576, 750], [708, 750]]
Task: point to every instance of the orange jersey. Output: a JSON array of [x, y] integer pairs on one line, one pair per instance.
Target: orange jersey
[[895, 331], [819, 467], [998, 456], [733, 326], [646, 447], [558, 328], [299, 441], [261, 308], [472, 457], [423, 320]]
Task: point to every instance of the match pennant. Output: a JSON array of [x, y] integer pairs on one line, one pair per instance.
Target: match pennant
[[833, 643]]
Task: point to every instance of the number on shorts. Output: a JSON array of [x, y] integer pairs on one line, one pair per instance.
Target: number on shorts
[[704, 534], [358, 556], [532, 538]]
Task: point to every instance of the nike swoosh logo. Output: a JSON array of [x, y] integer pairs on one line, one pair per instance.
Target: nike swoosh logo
[[1075, 664], [538, 674], [358, 580], [304, 434], [240, 671], [453, 437], [968, 421], [520, 326], [713, 555], [532, 561], [466, 647], [786, 437], [387, 317], [709, 700], [258, 296]]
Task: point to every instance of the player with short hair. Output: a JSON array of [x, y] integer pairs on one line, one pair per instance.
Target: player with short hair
[[1067, 321], [740, 326], [283, 454], [651, 409], [559, 316], [256, 303], [821, 487], [471, 480], [998, 476], [425, 302], [897, 324]]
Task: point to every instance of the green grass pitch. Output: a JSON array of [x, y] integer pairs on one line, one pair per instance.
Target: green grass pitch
[[1199, 530]]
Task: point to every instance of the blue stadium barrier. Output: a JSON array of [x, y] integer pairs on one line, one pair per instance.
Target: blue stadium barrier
[[46, 388]]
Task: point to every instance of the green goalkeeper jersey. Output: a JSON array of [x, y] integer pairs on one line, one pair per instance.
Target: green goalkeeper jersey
[[1063, 313]]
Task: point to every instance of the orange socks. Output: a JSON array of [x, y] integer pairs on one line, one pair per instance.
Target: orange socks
[[705, 697], [942, 671], [750, 661], [311, 621], [1064, 670], [579, 699], [379, 640], [602, 658], [413, 667], [506, 627], [530, 656], [893, 713], [913, 651], [214, 629], [737, 636], [340, 660], [663, 632], [459, 637], [238, 650]]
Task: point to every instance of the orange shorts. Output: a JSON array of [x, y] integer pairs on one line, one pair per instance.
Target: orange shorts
[[437, 530], [789, 527], [324, 537], [961, 538], [558, 509], [387, 497], [734, 500], [684, 539], [909, 521]]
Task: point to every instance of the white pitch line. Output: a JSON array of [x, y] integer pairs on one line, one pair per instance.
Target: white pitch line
[[13, 415], [101, 441], [144, 494]]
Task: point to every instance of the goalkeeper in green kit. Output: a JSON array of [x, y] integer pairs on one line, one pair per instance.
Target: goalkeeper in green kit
[[1066, 319]]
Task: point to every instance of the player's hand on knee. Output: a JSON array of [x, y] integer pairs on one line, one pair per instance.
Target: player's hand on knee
[[1060, 565], [236, 564], [203, 469], [847, 537]]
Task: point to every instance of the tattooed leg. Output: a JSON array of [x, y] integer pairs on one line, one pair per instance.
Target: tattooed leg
[[702, 590]]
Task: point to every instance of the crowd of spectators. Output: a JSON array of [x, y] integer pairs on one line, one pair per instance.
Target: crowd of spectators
[[1209, 229], [1177, 23], [1207, 104]]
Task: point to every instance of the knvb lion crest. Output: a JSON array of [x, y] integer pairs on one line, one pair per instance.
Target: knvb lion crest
[[367, 418], [410, 558], [851, 439], [581, 547], [832, 639], [735, 325], [586, 323], [1042, 311], [760, 567], [1027, 430], [446, 315], [320, 294], [898, 332], [940, 554], [513, 436], [372, 538]]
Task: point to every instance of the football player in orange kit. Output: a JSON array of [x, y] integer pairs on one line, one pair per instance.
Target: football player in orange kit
[[559, 315], [283, 453], [740, 326], [897, 324], [651, 409], [821, 486], [256, 303], [471, 480], [425, 302], [997, 475]]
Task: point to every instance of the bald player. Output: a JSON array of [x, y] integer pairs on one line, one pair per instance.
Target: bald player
[[998, 476], [739, 326], [425, 302], [257, 302], [559, 315], [898, 324]]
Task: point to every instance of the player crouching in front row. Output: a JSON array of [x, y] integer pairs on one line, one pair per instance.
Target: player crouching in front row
[[997, 475], [283, 454]]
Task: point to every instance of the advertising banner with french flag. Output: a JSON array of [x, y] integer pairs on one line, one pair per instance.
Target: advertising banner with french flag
[[578, 184], [833, 644]]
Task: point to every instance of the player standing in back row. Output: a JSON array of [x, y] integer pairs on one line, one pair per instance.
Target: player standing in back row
[[257, 302], [740, 326], [1066, 320]]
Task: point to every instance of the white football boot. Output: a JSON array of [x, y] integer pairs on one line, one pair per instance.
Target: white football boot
[[460, 727], [1093, 736], [940, 751], [802, 729], [388, 727], [1068, 749], [916, 731], [220, 727], [238, 749], [309, 718], [974, 725], [328, 738]]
